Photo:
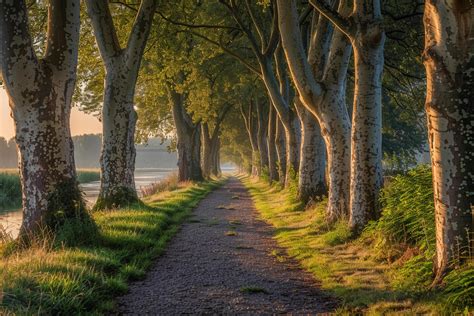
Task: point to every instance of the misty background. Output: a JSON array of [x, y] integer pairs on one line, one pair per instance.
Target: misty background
[[153, 154]]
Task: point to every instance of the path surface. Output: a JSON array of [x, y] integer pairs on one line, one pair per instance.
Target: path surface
[[206, 269]]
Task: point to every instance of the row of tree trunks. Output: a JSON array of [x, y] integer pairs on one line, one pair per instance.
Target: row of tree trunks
[[40, 93], [118, 114], [211, 145]]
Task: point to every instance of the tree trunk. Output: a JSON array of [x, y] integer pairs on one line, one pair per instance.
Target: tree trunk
[[206, 158], [366, 149], [117, 187], [188, 140], [449, 62], [280, 145], [40, 93], [251, 125], [215, 156], [292, 136], [328, 107], [262, 123], [311, 174], [271, 145], [189, 154], [117, 161]]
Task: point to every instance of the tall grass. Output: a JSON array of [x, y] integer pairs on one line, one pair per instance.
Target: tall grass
[[389, 268], [54, 278], [169, 183], [408, 215]]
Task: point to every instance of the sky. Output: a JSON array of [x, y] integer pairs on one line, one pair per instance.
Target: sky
[[81, 123]]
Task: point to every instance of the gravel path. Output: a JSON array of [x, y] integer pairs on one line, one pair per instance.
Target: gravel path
[[223, 262]]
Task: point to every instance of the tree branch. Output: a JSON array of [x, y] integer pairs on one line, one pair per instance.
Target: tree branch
[[104, 29], [195, 26], [63, 34], [140, 31], [274, 35], [343, 24], [16, 49], [260, 32], [230, 52]]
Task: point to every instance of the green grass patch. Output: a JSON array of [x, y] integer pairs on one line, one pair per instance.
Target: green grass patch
[[88, 175], [388, 269], [51, 278], [253, 290], [10, 190], [235, 222]]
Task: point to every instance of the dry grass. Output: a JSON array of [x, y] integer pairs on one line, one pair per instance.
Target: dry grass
[[167, 184]]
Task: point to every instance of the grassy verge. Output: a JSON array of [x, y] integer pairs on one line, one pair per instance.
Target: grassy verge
[[51, 278], [10, 186], [354, 270]]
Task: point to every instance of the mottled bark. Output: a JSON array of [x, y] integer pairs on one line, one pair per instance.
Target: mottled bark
[[311, 174], [271, 145], [188, 136], [118, 113], [40, 92], [449, 62], [366, 150], [321, 87]]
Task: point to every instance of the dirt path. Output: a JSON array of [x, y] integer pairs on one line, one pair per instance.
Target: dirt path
[[223, 262]]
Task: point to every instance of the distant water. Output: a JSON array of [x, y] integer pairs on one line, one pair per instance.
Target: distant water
[[11, 219]]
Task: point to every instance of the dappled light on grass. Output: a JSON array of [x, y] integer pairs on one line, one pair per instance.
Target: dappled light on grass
[[50, 278]]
